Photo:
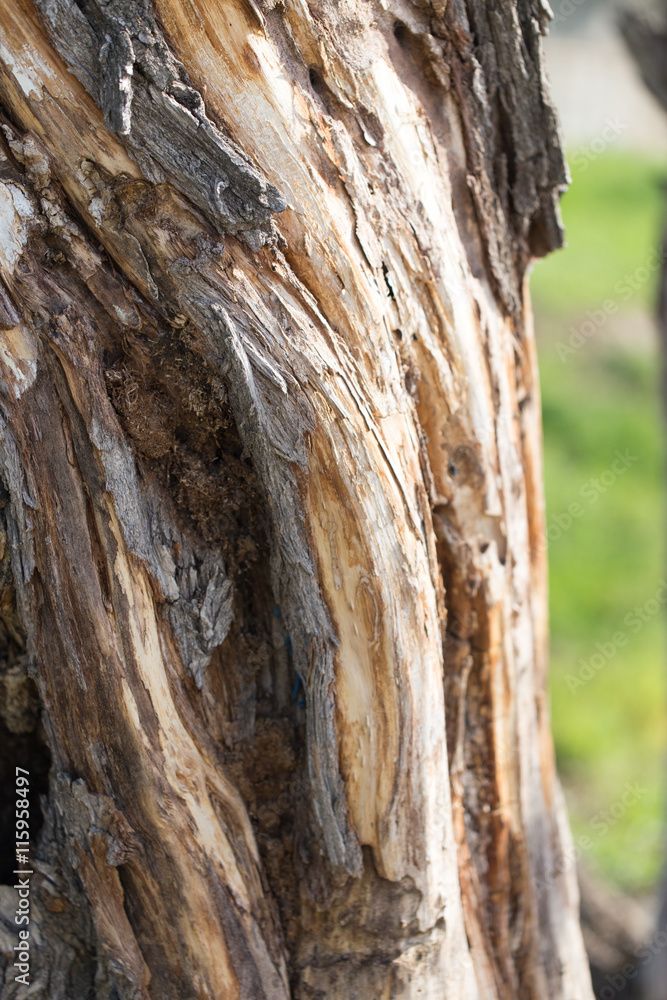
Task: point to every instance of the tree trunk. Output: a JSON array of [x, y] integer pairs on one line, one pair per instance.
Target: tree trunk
[[273, 595]]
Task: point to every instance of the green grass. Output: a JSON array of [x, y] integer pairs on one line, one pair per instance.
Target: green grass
[[601, 399], [612, 212]]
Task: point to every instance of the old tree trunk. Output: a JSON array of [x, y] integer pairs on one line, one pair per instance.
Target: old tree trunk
[[273, 579]]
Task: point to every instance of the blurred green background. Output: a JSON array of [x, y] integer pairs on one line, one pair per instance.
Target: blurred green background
[[601, 397]]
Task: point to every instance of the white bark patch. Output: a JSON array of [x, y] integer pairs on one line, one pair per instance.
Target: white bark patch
[[18, 358], [15, 212], [28, 82]]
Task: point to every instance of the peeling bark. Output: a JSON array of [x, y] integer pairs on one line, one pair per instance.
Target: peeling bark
[[273, 515]]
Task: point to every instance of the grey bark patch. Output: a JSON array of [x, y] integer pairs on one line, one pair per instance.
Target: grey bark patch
[[116, 68], [516, 166], [271, 426], [9, 314], [202, 616], [17, 517], [120, 55], [86, 813], [199, 596]]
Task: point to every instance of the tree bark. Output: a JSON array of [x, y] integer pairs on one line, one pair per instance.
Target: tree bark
[[274, 599]]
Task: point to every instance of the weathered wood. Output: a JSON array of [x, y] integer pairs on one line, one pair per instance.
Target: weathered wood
[[271, 449]]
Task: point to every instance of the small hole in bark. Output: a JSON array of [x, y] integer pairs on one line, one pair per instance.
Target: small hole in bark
[[401, 33], [385, 272], [318, 84]]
